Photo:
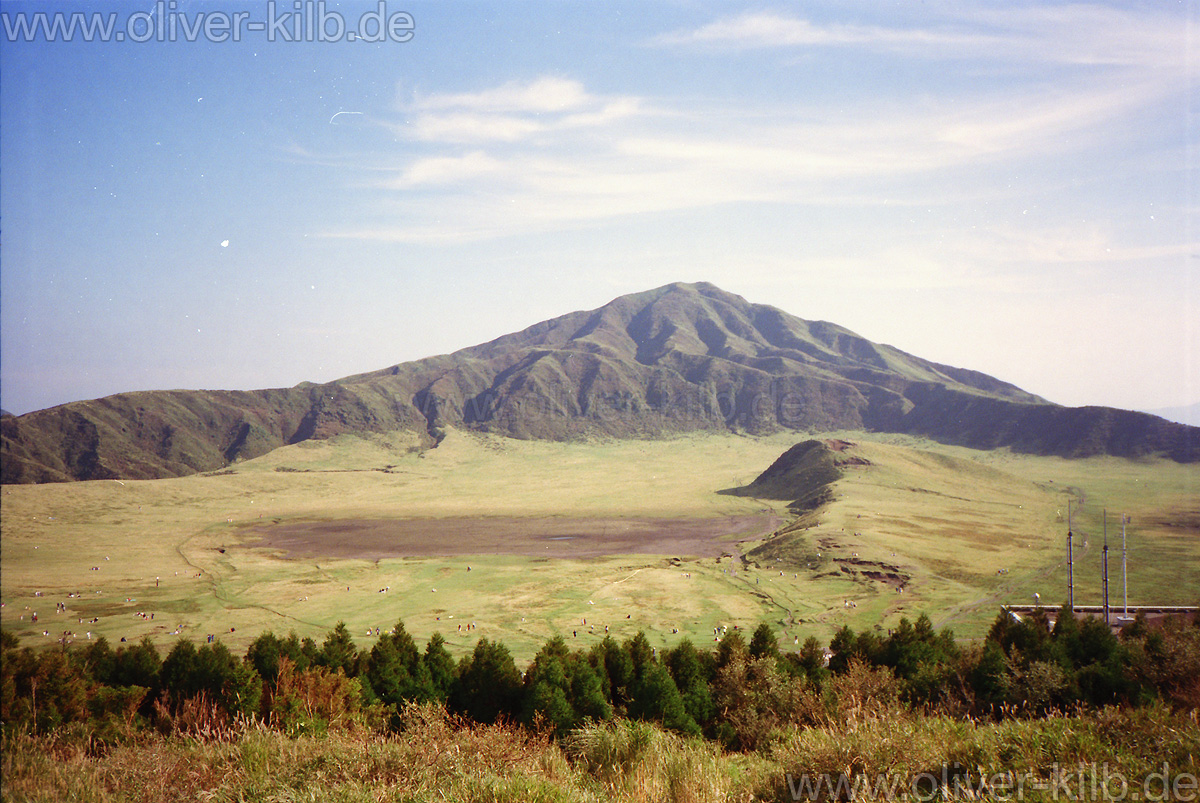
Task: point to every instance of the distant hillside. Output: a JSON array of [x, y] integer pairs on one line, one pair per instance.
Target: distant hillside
[[802, 476], [679, 358], [1188, 414]]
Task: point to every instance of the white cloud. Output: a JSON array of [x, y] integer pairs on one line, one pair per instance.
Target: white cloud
[[442, 170], [609, 112], [548, 154], [510, 113], [547, 94], [769, 29], [1044, 120], [1070, 34], [468, 127], [1090, 246], [1094, 35]]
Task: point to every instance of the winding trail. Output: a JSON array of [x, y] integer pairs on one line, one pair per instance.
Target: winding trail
[[618, 582], [214, 580]]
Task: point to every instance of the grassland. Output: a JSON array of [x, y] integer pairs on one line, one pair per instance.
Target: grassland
[[960, 531], [877, 753]]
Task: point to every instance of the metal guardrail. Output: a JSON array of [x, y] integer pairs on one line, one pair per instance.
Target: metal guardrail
[[1112, 609]]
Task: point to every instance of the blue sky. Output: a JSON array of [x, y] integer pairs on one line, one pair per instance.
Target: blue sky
[[1008, 187]]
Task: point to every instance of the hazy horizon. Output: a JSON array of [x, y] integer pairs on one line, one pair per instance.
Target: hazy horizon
[[1009, 188]]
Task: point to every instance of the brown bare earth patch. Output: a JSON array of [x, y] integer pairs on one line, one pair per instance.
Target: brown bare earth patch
[[1179, 521], [542, 537], [874, 570]]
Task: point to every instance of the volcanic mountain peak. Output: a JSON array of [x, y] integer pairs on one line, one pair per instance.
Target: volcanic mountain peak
[[679, 323], [677, 358]]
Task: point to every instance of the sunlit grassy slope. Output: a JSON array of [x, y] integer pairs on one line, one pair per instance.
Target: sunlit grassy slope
[[959, 531]]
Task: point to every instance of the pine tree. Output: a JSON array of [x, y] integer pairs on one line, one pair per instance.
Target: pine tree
[[692, 677], [563, 688], [764, 644], [615, 669], [440, 666], [656, 698], [812, 659], [488, 686], [395, 670], [99, 661], [338, 651], [178, 675], [731, 646], [653, 694], [264, 654]]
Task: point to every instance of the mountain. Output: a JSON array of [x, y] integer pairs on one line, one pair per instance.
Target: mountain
[[678, 358], [1188, 414]]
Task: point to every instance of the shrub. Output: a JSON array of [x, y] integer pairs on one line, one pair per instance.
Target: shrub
[[41, 690], [638, 762], [310, 701], [754, 699]]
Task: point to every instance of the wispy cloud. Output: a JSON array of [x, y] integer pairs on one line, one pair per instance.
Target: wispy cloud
[[546, 94], [550, 154], [461, 127], [1070, 34], [509, 113], [769, 29], [443, 170], [1089, 246], [597, 158]]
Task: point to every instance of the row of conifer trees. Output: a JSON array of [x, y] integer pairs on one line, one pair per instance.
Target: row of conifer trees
[[736, 693]]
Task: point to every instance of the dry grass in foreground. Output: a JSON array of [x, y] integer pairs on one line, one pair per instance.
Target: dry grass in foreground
[[436, 757]]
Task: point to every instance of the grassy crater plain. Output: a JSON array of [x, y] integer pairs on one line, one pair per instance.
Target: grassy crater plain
[[913, 527]]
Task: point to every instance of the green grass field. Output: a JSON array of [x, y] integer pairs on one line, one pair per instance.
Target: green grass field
[[960, 531]]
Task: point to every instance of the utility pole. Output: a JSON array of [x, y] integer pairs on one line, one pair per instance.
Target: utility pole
[[1105, 553], [1070, 563], [1124, 564]]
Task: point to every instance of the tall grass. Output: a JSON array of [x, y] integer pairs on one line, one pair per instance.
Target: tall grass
[[436, 757], [636, 761], [1042, 754]]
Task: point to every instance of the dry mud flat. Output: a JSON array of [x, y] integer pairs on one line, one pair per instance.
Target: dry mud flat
[[543, 537]]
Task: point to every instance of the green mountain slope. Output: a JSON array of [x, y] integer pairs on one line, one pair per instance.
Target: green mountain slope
[[801, 476], [678, 358]]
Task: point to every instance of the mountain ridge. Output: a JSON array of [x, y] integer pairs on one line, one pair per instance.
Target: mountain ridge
[[677, 358], [1184, 414]]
